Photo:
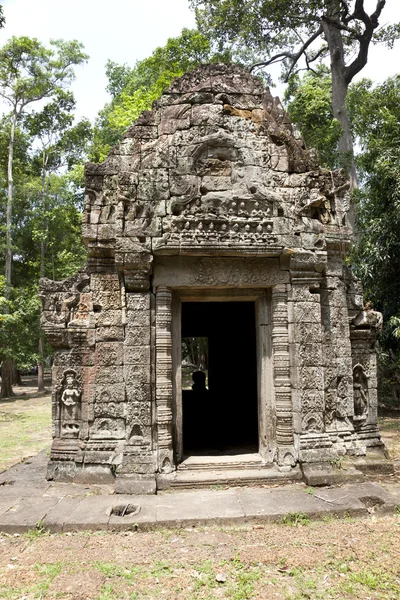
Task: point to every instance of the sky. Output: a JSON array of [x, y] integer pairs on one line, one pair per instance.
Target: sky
[[125, 31]]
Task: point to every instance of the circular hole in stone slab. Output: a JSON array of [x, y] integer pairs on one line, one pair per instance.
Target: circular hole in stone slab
[[125, 510], [372, 502]]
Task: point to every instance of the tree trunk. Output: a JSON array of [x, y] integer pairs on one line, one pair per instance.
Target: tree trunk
[[16, 375], [339, 94], [6, 378], [43, 245], [9, 254], [41, 387]]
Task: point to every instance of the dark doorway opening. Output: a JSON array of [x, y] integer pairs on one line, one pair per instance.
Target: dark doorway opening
[[223, 417]]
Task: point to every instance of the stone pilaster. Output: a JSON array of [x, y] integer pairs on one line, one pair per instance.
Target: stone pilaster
[[307, 364], [138, 460], [164, 388], [281, 371], [338, 383]]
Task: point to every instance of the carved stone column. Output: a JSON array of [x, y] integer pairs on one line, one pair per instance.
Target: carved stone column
[[164, 388], [281, 367]]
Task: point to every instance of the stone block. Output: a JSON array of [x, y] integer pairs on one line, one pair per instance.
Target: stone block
[[138, 302], [109, 354], [136, 318], [133, 484], [137, 355], [108, 428], [137, 374], [104, 282], [109, 334], [137, 336], [107, 300], [307, 333], [311, 378], [109, 375], [109, 318], [138, 392], [109, 393], [206, 114], [306, 312], [312, 401]]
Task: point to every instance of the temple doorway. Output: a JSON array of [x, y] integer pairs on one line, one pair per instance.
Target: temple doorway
[[219, 378]]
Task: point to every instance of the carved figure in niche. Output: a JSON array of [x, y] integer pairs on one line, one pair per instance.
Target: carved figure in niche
[[360, 387], [70, 404]]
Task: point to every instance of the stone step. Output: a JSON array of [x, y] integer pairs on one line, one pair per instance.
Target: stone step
[[224, 462], [196, 478]]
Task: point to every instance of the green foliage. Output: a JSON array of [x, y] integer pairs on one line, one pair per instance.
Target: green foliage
[[30, 72], [134, 89], [45, 223], [65, 252], [19, 325], [375, 113], [295, 519], [309, 104]]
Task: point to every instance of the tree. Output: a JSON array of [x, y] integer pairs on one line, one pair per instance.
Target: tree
[[298, 34], [29, 72], [374, 113], [308, 101], [2, 18], [133, 89], [61, 144]]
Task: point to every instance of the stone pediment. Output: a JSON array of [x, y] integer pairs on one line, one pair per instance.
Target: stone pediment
[[215, 165]]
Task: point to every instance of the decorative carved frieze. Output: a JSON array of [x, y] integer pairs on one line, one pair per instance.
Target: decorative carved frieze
[[218, 272]]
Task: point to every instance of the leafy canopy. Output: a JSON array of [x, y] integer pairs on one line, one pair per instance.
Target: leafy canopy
[[134, 89], [30, 72], [309, 104]]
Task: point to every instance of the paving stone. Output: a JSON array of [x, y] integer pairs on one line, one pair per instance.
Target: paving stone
[[25, 514]]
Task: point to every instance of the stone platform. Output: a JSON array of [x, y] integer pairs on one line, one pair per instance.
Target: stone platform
[[27, 501]]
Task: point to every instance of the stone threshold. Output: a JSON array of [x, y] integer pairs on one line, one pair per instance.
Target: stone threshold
[[223, 461], [232, 477]]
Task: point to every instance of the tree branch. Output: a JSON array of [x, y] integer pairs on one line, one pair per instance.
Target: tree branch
[[292, 56], [371, 23]]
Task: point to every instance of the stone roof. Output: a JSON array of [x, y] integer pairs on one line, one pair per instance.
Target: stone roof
[[215, 165]]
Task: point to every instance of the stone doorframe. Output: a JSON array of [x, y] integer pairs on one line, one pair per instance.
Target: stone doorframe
[[275, 410]]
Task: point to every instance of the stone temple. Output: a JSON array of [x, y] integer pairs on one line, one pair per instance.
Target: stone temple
[[211, 219]]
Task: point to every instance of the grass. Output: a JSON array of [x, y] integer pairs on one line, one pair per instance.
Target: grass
[[25, 429], [295, 519]]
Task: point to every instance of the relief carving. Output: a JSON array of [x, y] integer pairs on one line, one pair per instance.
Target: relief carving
[[70, 392], [360, 387], [235, 272], [312, 423]]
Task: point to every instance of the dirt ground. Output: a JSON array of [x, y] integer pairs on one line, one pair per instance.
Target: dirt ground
[[347, 558], [295, 559]]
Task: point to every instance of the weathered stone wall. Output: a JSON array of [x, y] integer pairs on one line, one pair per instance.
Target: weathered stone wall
[[210, 190]]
